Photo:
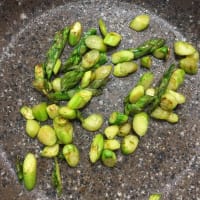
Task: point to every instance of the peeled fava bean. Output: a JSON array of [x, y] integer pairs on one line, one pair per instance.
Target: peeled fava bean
[[29, 171]]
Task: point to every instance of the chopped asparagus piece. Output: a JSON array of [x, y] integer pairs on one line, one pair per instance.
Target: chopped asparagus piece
[[124, 69], [52, 110], [71, 154], [50, 151], [176, 79], [96, 148], [32, 127], [93, 122], [129, 144], [95, 42], [47, 135], [146, 62], [140, 22], [161, 114], [40, 111], [109, 158], [29, 171], [112, 39], [111, 131], [182, 48], [75, 33], [112, 144], [189, 65], [118, 118], [102, 27], [122, 56], [140, 123], [56, 177]]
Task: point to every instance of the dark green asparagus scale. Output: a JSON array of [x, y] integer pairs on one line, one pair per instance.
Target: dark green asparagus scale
[[79, 50], [147, 47], [151, 102], [55, 51]]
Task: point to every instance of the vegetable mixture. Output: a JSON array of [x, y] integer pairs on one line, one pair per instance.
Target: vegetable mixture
[[82, 76]]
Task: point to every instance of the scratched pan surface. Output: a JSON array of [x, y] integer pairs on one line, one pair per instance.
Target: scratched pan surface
[[168, 158]]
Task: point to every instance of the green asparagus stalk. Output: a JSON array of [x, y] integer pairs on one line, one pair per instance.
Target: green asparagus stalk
[[78, 51], [162, 87], [152, 101], [19, 169], [101, 78], [71, 79], [55, 51], [140, 105], [147, 47], [56, 177]]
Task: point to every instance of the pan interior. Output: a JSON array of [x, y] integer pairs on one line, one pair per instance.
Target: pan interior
[[166, 156]]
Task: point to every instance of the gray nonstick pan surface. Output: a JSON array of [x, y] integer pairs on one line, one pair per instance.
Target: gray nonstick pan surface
[[167, 160]]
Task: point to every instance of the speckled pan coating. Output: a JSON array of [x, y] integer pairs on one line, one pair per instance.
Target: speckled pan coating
[[168, 158]]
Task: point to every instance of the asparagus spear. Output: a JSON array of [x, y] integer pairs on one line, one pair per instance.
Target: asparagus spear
[[56, 177], [101, 78], [147, 47], [78, 51], [152, 101], [162, 87], [55, 51]]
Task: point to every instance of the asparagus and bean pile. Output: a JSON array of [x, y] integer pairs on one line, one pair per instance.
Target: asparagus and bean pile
[[83, 75]]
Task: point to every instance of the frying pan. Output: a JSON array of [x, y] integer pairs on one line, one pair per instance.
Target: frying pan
[[168, 158]]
